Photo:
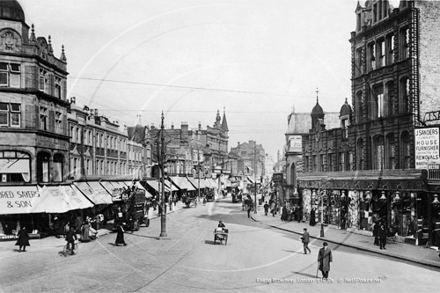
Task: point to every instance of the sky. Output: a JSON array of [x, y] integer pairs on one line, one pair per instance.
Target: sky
[[254, 59]]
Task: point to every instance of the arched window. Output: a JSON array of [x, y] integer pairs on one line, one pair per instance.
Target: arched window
[[58, 164], [404, 105], [391, 163], [360, 154], [43, 159], [388, 100], [14, 166], [405, 155], [379, 153]]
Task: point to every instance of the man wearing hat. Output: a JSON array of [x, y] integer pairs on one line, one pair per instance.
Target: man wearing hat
[[305, 240], [324, 260]]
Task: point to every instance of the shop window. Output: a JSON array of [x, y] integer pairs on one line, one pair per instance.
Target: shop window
[[58, 164], [403, 210], [10, 115], [43, 167], [14, 166], [43, 118], [10, 75]]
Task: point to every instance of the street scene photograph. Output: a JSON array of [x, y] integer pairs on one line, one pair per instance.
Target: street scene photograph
[[219, 146]]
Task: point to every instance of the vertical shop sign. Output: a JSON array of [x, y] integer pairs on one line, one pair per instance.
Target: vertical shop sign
[[426, 147]]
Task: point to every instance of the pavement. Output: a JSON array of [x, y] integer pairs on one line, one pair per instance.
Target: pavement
[[403, 251]]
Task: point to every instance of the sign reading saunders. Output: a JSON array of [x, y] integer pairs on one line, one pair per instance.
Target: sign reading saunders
[[426, 146]]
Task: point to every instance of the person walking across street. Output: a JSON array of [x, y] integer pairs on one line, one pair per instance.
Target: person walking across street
[[324, 260], [23, 239], [70, 238], [382, 235], [305, 240], [120, 236], [266, 208]]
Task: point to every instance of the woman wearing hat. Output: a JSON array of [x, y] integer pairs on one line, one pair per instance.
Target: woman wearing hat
[[324, 260]]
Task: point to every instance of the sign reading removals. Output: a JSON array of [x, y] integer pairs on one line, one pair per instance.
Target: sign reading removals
[[426, 146]]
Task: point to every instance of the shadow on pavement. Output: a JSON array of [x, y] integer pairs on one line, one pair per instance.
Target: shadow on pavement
[[210, 242]]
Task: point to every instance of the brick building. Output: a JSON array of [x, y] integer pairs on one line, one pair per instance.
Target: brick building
[[374, 169]]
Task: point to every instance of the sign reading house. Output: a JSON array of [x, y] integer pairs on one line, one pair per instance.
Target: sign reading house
[[426, 147]]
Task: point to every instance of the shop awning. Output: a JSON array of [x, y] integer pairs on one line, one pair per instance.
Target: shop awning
[[195, 182], [182, 183], [170, 185], [76, 199], [114, 189], [156, 186], [147, 194], [54, 200], [213, 183], [90, 193], [20, 200], [100, 190], [250, 180]]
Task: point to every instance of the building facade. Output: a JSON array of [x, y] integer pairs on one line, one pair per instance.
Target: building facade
[[33, 105], [372, 167]]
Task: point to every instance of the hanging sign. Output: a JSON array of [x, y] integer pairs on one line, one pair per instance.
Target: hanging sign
[[426, 145]]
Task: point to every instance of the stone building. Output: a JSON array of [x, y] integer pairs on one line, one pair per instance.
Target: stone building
[[33, 105], [375, 164]]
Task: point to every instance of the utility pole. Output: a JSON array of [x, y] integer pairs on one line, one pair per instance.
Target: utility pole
[[255, 176], [163, 227]]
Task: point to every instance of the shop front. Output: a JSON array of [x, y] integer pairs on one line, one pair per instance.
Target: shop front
[[400, 200]]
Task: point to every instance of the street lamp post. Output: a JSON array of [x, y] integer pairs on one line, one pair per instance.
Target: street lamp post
[[163, 227]]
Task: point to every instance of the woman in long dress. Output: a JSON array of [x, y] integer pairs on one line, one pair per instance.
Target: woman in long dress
[[23, 239], [120, 236], [85, 232]]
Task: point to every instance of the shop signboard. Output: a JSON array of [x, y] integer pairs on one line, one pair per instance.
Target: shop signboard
[[295, 144], [426, 147]]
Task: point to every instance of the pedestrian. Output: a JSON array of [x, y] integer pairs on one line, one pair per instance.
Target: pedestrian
[[376, 227], [305, 240], [266, 208], [249, 208], [221, 225], [324, 260], [273, 209], [23, 239], [300, 214], [312, 217], [78, 224], [85, 232], [120, 236], [70, 238], [284, 213], [382, 235]]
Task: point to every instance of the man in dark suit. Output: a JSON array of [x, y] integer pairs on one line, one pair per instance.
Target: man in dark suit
[[305, 240], [324, 260], [382, 235]]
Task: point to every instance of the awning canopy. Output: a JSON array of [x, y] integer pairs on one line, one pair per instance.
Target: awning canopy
[[20, 200], [156, 186], [114, 189], [90, 193], [213, 183], [249, 179], [170, 185], [195, 182], [182, 183], [36, 199], [100, 190]]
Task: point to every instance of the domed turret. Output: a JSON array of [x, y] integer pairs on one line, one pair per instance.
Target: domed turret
[[11, 10], [317, 111], [345, 109]]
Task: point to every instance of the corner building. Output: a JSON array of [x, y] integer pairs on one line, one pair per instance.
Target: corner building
[[383, 176]]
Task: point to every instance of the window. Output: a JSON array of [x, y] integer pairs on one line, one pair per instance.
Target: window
[[377, 103], [381, 53], [321, 162], [390, 45], [391, 164], [78, 135], [405, 151], [350, 161], [379, 153], [58, 163], [43, 167], [10, 75], [58, 88], [43, 118], [10, 115], [58, 121], [314, 164], [14, 166], [404, 105], [360, 155], [405, 43], [43, 80], [341, 162]]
